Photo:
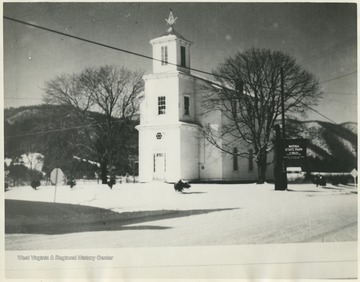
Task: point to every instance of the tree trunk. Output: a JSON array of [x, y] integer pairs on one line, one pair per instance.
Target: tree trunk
[[103, 168], [261, 163]]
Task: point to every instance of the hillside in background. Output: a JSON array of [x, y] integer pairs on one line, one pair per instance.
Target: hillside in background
[[57, 134], [330, 147]]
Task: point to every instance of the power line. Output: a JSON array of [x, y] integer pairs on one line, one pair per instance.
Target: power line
[[101, 44], [334, 78], [317, 112], [133, 53], [328, 51], [131, 10], [331, 79], [340, 102], [78, 127], [342, 93], [57, 130], [148, 57], [43, 132]]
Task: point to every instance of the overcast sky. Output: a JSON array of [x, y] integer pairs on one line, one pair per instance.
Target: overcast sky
[[321, 37]]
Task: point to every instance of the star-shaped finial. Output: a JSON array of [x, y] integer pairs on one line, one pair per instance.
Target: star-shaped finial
[[171, 20]]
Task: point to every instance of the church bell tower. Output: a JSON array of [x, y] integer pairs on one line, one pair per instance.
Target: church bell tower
[[168, 149], [171, 50]]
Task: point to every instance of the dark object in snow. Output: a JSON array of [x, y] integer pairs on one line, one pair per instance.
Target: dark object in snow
[[35, 183], [72, 183], [180, 185], [127, 178], [320, 180], [111, 182]]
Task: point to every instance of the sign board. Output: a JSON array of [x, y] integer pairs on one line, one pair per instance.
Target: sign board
[[294, 149], [57, 176], [354, 173]]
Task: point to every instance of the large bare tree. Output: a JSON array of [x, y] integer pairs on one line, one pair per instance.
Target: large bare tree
[[247, 90], [111, 91]]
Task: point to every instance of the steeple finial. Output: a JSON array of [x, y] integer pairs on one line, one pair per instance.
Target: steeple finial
[[171, 20]]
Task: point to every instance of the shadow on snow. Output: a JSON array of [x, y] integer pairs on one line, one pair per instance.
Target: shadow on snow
[[193, 192], [29, 217]]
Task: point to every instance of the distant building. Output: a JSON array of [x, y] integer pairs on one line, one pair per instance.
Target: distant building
[[171, 145]]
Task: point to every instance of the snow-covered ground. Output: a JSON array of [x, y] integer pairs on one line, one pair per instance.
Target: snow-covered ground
[[150, 215]]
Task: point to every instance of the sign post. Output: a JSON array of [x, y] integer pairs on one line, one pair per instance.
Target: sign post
[[288, 151], [56, 176]]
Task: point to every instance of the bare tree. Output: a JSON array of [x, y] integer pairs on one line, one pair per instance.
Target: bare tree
[[111, 91], [247, 90]]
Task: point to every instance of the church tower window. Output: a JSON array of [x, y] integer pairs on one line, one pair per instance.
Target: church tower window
[[164, 55], [183, 56], [186, 105], [161, 105]]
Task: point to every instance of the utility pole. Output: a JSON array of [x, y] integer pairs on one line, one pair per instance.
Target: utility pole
[[283, 164], [282, 103], [278, 160], [280, 167]]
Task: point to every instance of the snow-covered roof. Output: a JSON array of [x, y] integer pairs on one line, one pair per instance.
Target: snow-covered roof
[[172, 31]]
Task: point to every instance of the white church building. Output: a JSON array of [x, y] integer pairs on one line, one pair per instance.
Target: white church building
[[171, 144]]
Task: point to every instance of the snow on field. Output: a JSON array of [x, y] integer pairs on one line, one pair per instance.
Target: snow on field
[[206, 214]]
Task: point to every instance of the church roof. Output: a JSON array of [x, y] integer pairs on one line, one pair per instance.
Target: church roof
[[172, 31]]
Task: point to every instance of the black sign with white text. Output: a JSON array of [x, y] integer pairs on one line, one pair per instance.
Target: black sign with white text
[[294, 149]]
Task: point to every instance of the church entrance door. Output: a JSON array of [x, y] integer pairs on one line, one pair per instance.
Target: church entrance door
[[159, 166]]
